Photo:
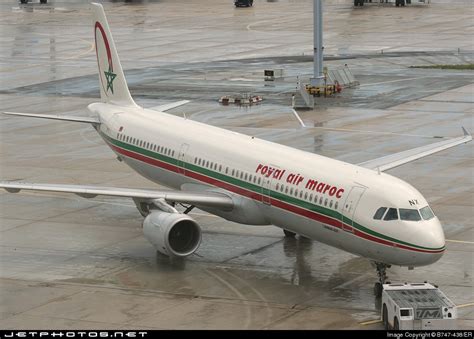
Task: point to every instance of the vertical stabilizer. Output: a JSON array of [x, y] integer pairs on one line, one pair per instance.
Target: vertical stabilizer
[[112, 83]]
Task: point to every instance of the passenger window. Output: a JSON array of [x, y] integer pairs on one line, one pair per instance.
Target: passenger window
[[277, 186], [226, 170], [220, 168], [427, 213], [296, 192], [330, 204], [392, 214], [335, 205], [233, 172], [259, 180], [326, 202], [245, 177], [291, 191], [321, 200], [306, 196], [409, 214], [286, 189], [380, 212]]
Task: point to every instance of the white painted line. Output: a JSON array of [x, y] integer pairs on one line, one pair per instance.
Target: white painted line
[[298, 117]]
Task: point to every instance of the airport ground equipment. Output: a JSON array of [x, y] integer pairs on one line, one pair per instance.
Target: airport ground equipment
[[396, 2], [417, 306], [243, 3], [26, 1]]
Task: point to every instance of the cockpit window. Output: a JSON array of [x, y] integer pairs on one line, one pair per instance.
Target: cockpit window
[[392, 214], [409, 214], [427, 213], [379, 214]]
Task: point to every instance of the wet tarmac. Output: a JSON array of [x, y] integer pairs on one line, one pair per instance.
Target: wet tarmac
[[68, 262]]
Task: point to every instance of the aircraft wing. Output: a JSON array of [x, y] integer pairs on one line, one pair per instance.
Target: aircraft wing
[[401, 158], [205, 199], [166, 107], [88, 120]]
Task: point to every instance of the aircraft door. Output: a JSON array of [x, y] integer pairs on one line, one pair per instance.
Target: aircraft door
[[266, 189], [349, 208], [181, 158], [268, 177]]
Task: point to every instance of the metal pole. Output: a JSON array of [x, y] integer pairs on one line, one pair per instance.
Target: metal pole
[[318, 79]]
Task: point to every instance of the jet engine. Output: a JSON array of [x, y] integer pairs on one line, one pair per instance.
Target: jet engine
[[172, 234]]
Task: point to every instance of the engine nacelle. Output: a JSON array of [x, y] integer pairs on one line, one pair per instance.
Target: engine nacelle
[[172, 234]]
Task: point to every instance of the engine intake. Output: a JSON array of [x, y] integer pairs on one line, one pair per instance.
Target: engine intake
[[172, 234]]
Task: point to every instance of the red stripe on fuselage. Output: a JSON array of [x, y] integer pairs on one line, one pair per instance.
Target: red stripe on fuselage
[[256, 196]]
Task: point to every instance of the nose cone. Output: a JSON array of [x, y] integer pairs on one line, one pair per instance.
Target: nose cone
[[436, 234], [434, 240]]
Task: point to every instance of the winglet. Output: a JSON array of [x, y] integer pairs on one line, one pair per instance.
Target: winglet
[[466, 133]]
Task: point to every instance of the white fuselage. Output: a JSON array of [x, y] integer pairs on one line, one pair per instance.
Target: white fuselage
[[321, 198]]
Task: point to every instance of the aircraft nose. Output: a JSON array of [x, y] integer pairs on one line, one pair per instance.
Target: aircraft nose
[[435, 239], [436, 236]]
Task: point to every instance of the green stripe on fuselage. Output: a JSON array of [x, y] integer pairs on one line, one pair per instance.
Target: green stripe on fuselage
[[258, 189]]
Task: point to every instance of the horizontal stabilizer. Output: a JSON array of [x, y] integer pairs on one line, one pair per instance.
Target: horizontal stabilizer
[[87, 120], [166, 107], [204, 199], [401, 158]]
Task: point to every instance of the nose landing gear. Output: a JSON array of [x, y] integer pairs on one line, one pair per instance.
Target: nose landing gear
[[382, 273]]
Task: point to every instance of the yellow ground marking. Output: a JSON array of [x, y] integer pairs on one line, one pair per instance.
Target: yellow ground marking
[[370, 322], [461, 241], [465, 305]]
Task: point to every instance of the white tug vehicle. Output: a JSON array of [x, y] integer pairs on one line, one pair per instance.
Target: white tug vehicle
[[417, 306]]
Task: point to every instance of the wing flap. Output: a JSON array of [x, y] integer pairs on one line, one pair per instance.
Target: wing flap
[[205, 199], [87, 120], [397, 159]]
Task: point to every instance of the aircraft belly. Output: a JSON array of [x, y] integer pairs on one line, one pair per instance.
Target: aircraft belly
[[155, 174]]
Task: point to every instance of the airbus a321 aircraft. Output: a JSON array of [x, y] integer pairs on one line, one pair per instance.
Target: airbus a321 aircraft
[[357, 208]]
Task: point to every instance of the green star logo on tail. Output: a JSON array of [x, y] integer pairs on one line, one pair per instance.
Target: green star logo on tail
[[110, 76]]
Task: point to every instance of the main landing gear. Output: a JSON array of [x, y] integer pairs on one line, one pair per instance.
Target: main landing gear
[[382, 273]]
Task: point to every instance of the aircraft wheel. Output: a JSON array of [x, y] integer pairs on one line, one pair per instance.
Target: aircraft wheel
[[378, 289], [24, 1], [43, 1], [384, 317], [289, 234], [396, 326]]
